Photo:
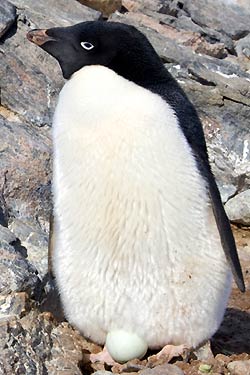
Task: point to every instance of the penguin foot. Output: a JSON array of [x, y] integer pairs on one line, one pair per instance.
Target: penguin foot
[[103, 357], [170, 351]]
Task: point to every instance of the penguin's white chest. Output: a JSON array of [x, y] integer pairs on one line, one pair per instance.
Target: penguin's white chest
[[137, 247]]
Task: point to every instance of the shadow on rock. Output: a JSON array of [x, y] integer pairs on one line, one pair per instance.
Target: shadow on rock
[[233, 334], [50, 299]]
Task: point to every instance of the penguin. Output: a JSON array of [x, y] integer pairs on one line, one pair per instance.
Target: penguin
[[144, 254]]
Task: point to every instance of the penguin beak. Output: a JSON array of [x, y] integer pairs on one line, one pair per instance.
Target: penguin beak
[[39, 36]]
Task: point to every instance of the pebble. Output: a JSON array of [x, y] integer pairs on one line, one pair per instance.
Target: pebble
[[239, 367], [238, 208]]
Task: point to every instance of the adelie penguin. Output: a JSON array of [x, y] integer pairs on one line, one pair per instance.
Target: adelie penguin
[[144, 253]]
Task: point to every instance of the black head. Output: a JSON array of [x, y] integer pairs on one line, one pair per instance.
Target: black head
[[118, 46]]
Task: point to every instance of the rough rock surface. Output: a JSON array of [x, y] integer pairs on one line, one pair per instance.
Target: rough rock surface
[[238, 208], [7, 16], [231, 20], [239, 367], [16, 273], [205, 44], [105, 6]]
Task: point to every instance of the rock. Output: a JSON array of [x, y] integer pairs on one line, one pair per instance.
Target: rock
[[165, 369], [212, 16], [36, 243], [205, 368], [227, 192], [228, 142], [54, 12], [6, 235], [213, 36], [239, 367], [231, 19], [243, 47], [204, 353], [36, 344], [238, 208], [105, 6], [231, 81], [133, 366], [25, 164], [7, 16], [16, 273], [36, 74], [186, 38], [242, 3], [171, 14], [142, 5], [13, 306]]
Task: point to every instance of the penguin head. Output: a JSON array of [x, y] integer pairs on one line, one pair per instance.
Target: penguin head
[[115, 45]]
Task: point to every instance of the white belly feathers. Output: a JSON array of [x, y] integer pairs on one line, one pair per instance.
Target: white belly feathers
[[137, 246]]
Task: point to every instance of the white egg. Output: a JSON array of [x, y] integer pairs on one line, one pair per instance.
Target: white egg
[[124, 346]]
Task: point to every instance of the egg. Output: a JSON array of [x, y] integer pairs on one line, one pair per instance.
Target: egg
[[123, 345]]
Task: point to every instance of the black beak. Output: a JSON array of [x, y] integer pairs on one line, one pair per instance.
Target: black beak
[[39, 36]]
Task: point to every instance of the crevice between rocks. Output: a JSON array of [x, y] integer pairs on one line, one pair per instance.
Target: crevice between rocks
[[201, 80], [19, 248], [240, 35], [4, 214], [224, 97], [10, 31]]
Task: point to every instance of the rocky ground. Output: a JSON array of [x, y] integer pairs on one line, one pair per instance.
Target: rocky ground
[[206, 45]]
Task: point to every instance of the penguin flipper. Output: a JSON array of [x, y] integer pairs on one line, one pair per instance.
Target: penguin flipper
[[225, 231]]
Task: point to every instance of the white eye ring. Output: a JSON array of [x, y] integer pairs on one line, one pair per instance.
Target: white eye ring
[[87, 45]]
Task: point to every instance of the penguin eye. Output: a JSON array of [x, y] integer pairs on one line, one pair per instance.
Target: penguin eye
[[87, 45]]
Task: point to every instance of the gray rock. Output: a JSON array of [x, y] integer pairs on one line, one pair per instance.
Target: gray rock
[[16, 273], [215, 14], [238, 208], [243, 47], [219, 20], [204, 353], [25, 164], [195, 40], [13, 306], [6, 235], [7, 16], [211, 71], [227, 192], [36, 243], [239, 367], [142, 5], [165, 369], [213, 36], [26, 70], [232, 82], [55, 12], [37, 345], [226, 128]]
